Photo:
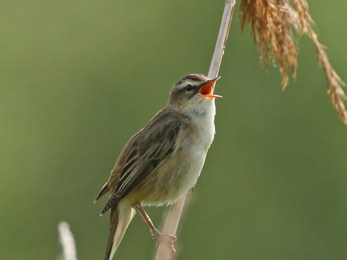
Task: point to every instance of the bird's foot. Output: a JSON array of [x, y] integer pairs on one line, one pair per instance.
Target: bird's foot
[[166, 239]]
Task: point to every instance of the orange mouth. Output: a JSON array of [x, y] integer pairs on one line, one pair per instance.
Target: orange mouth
[[206, 90]]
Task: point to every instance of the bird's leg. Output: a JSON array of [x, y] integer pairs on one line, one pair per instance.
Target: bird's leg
[[157, 235]]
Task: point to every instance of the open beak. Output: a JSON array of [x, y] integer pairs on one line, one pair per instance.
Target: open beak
[[206, 89]]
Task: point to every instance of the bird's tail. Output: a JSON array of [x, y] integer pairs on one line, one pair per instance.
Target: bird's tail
[[121, 216]]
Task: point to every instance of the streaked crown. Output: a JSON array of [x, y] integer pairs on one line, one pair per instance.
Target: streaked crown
[[192, 86]]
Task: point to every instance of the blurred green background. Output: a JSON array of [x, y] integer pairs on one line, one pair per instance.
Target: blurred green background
[[79, 78]]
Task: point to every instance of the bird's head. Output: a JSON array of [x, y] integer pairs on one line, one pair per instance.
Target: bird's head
[[192, 91]]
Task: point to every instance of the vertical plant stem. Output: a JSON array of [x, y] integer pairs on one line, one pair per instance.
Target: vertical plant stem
[[176, 209], [67, 241], [170, 227], [222, 38]]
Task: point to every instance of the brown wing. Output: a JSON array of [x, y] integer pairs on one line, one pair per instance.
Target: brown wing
[[149, 148]]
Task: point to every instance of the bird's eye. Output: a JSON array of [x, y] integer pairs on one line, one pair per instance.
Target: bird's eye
[[189, 88]]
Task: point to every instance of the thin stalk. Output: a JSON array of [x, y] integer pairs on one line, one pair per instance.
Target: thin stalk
[[174, 215], [67, 241]]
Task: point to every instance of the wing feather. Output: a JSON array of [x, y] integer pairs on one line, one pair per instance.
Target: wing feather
[[149, 148]]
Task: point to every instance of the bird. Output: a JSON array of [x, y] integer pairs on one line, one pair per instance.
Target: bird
[[162, 162]]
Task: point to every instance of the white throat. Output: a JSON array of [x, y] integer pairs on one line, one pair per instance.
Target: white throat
[[202, 115]]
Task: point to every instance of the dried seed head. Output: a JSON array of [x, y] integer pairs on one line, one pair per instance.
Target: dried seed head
[[273, 22]]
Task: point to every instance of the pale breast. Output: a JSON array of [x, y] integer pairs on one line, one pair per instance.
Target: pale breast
[[179, 172]]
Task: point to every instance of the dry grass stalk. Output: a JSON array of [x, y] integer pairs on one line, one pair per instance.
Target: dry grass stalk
[[175, 212], [272, 23], [67, 241]]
